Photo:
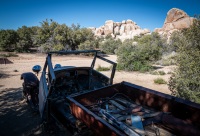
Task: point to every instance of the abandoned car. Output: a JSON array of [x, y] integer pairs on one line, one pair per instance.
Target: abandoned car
[[58, 82], [86, 102]]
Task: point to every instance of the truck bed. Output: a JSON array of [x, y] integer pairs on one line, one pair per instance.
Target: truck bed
[[128, 109]]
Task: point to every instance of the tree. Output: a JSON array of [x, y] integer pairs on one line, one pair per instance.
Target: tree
[[25, 39], [45, 35], [53, 36], [185, 82], [8, 40], [80, 35], [62, 35]]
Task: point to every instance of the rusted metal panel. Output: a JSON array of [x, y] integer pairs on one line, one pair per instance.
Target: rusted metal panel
[[183, 114], [94, 122]]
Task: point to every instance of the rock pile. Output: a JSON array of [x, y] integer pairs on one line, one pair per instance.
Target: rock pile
[[120, 30]]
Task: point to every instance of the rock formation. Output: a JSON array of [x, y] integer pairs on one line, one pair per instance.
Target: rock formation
[[120, 30], [176, 20]]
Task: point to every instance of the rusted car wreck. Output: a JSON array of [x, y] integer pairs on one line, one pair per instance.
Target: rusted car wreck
[[128, 109], [86, 102], [58, 82]]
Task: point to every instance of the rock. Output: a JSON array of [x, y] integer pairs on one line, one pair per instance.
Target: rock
[[99, 31], [183, 23], [129, 21], [93, 29], [116, 30], [118, 24], [146, 31], [176, 19], [109, 24], [120, 30], [157, 30], [175, 14], [123, 22]]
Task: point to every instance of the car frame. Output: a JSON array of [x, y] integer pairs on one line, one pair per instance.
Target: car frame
[[87, 78]]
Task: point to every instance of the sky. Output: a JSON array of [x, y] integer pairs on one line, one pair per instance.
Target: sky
[[149, 14]]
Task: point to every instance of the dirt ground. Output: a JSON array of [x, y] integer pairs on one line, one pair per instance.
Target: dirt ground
[[16, 117]]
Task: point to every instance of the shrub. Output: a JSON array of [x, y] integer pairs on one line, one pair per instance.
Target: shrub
[[154, 72], [168, 59], [139, 57], [157, 72], [161, 72], [131, 58], [170, 72], [110, 45], [159, 81], [58, 47], [184, 82], [87, 45], [100, 68], [10, 54]]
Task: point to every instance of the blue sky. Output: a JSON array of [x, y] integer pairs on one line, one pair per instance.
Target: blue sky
[[146, 13]]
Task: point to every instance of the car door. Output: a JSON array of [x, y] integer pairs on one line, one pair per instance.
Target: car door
[[43, 93]]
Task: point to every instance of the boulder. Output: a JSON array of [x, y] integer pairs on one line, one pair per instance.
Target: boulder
[[129, 21], [175, 14], [120, 30], [116, 30], [109, 27], [176, 19], [183, 23], [124, 22], [118, 24], [99, 31]]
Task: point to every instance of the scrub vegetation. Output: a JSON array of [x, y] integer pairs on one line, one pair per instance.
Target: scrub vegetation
[[138, 54]]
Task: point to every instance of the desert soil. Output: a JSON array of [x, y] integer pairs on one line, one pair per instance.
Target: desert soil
[[16, 117]]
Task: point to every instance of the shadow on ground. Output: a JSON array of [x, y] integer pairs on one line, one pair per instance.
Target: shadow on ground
[[3, 75], [17, 118], [5, 61]]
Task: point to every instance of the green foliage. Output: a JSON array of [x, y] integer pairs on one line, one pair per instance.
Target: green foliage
[[139, 57], [10, 54], [130, 59], [159, 81], [161, 72], [101, 68], [128, 42], [109, 36], [50, 36], [174, 42], [185, 82], [87, 45], [110, 45], [8, 40], [58, 47], [25, 39], [53, 36], [158, 72], [80, 36], [168, 59]]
